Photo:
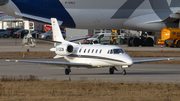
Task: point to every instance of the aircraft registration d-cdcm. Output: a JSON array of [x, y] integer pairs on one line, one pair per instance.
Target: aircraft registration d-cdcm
[[89, 56], [141, 15]]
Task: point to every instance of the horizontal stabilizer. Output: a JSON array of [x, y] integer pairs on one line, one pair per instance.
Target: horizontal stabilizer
[[76, 39], [48, 41], [58, 56]]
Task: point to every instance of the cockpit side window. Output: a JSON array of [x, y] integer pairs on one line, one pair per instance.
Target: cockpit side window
[[118, 51], [108, 52], [111, 52], [80, 51]]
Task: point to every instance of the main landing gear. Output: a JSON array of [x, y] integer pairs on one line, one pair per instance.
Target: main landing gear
[[111, 70], [67, 70]]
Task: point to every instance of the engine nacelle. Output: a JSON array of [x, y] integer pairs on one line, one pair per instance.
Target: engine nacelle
[[64, 50]]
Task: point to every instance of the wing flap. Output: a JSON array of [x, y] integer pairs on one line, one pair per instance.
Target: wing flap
[[53, 63], [151, 60]]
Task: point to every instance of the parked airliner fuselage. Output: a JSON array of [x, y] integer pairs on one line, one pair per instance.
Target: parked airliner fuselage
[[144, 15]]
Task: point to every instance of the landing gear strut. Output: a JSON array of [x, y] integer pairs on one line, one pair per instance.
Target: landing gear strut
[[111, 69], [67, 70]]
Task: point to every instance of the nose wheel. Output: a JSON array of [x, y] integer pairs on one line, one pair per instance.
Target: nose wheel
[[124, 72], [67, 71]]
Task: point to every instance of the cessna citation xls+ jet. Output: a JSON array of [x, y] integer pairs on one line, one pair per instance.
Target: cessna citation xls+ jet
[[89, 56]]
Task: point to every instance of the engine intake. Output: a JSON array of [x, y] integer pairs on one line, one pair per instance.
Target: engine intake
[[70, 48], [64, 50], [3, 2]]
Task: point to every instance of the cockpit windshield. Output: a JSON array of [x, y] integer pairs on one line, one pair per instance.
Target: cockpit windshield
[[118, 51], [95, 36]]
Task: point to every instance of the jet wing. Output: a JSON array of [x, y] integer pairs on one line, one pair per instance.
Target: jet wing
[[173, 18], [37, 18], [151, 60], [53, 63]]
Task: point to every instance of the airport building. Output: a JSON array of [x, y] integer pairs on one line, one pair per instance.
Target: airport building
[[9, 22]]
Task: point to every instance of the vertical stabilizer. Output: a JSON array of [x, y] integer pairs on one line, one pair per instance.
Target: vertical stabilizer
[[57, 35]]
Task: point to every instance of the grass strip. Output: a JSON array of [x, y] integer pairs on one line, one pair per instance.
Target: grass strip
[[87, 90]]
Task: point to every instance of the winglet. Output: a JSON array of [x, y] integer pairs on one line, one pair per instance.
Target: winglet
[[57, 35]]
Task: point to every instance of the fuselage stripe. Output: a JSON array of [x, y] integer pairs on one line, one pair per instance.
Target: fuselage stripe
[[94, 57]]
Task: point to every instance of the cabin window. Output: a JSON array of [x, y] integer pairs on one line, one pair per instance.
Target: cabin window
[[85, 51], [96, 50], [88, 50], [100, 51], [80, 51], [92, 50]]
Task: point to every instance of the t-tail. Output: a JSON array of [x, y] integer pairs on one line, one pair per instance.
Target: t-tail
[[57, 35]]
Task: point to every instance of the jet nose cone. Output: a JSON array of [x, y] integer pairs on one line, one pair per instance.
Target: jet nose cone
[[129, 61], [3, 2]]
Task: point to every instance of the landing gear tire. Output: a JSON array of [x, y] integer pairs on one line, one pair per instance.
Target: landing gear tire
[[124, 72], [135, 42], [111, 70], [143, 44], [149, 42], [67, 71], [129, 42]]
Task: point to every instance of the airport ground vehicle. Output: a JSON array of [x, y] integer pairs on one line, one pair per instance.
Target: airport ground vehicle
[[116, 36], [4, 33], [170, 37], [35, 34], [12, 30], [99, 38], [86, 39], [20, 33], [48, 35]]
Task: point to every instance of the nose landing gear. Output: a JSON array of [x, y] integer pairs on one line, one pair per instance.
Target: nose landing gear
[[124, 72]]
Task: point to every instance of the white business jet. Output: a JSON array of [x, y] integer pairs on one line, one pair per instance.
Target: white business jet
[[89, 56]]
